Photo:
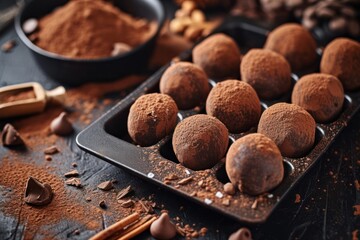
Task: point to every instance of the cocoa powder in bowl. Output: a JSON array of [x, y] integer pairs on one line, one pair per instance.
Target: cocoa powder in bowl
[[267, 72], [90, 29], [234, 103], [254, 164], [322, 95], [295, 43], [200, 141], [290, 126], [186, 83], [152, 117], [341, 58], [219, 56]]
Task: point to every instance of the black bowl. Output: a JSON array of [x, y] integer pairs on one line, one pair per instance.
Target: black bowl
[[76, 71]]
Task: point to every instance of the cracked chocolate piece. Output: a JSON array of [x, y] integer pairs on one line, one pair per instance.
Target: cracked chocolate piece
[[37, 193], [106, 186], [10, 137]]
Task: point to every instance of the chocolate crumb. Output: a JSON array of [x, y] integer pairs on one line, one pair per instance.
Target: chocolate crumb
[[106, 186], [74, 164], [74, 182], [254, 205], [77, 232], [203, 231], [297, 198], [73, 173], [225, 202], [37, 193], [102, 204], [10, 136], [51, 150], [185, 181], [146, 207], [124, 192], [88, 199], [7, 46], [48, 158], [171, 177], [229, 188], [127, 204]]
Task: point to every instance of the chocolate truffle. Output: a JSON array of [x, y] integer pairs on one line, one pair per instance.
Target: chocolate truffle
[[152, 117], [234, 103], [267, 72], [322, 95], [200, 141], [219, 56], [290, 126], [341, 58], [186, 83], [295, 43], [254, 164]]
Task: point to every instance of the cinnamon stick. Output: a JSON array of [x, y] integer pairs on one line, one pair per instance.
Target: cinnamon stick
[[136, 231], [107, 232]]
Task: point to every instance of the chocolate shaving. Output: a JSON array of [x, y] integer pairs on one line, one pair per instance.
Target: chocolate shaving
[[171, 177], [185, 181], [124, 192], [37, 193], [106, 186], [146, 206], [127, 204], [74, 182], [10, 137], [7, 46], [73, 173], [51, 150]]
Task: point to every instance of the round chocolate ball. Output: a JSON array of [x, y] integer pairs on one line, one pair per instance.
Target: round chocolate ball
[[186, 83], [290, 126], [235, 104], [267, 72], [200, 141], [219, 56], [322, 95], [254, 164], [295, 43], [341, 58], [152, 117]]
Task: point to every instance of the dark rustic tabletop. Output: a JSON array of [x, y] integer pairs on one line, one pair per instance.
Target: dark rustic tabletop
[[328, 196]]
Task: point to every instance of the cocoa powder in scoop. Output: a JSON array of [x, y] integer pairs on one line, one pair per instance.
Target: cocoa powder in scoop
[[90, 29]]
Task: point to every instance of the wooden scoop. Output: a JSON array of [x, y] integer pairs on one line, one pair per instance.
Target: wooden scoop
[[27, 98]]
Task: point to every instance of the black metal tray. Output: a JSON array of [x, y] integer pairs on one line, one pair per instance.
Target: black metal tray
[[108, 139]]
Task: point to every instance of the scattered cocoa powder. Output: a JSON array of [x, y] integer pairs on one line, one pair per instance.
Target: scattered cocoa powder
[[90, 29]]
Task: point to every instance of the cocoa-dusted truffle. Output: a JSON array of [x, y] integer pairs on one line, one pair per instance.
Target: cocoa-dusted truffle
[[341, 58], [254, 164], [295, 43], [234, 103], [186, 83], [290, 126], [219, 56], [200, 141], [322, 95], [267, 72], [152, 117]]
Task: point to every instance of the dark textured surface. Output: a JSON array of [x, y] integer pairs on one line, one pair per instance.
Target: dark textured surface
[[325, 211]]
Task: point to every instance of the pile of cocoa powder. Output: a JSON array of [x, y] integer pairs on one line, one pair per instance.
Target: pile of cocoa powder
[[90, 29]]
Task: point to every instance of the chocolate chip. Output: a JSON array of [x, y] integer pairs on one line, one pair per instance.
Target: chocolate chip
[[37, 193], [30, 25], [51, 150], [102, 204], [106, 186], [163, 228], [74, 182], [61, 125], [73, 173], [7, 46], [241, 234], [10, 137]]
